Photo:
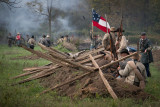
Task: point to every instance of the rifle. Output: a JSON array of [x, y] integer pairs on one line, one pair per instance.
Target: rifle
[[110, 36], [112, 47], [120, 32]]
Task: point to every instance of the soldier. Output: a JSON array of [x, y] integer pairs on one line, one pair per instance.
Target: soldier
[[43, 40], [146, 52], [108, 41], [60, 40], [9, 38], [18, 39], [122, 64], [27, 39], [121, 42], [31, 42], [48, 41], [134, 72], [93, 42], [66, 38], [112, 32]]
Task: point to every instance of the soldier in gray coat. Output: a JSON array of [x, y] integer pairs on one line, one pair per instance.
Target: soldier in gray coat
[[146, 52]]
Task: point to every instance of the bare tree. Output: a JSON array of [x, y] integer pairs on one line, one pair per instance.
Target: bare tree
[[43, 9], [10, 4]]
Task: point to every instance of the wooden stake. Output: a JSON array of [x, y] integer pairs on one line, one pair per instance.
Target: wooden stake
[[109, 88], [114, 62]]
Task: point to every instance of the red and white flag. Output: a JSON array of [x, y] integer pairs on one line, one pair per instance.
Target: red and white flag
[[100, 22]]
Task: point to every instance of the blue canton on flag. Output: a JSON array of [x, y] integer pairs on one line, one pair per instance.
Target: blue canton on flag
[[96, 16]]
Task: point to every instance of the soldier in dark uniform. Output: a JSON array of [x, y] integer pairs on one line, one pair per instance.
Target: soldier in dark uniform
[[48, 41], [9, 38], [146, 52]]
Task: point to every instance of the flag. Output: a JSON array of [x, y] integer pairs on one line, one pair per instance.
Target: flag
[[100, 22]]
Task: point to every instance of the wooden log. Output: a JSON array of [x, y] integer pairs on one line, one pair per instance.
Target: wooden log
[[86, 55], [27, 73], [67, 82], [67, 61], [32, 72], [45, 73], [47, 57], [89, 60], [117, 61], [109, 88], [59, 52], [54, 52], [37, 53], [35, 68]]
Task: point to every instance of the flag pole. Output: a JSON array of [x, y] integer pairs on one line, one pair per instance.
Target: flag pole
[[92, 25], [110, 36], [106, 22]]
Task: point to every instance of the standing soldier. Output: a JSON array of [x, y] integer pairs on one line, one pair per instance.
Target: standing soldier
[[108, 41], [108, 38], [66, 38], [48, 41], [9, 38], [43, 40], [27, 39], [60, 40], [121, 42], [146, 53], [31, 42], [93, 42], [18, 39]]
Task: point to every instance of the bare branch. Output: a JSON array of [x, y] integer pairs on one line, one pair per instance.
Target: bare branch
[[10, 4]]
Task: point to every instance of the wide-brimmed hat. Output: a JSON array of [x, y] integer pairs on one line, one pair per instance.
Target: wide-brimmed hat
[[47, 36], [119, 30], [124, 51], [113, 29], [18, 33]]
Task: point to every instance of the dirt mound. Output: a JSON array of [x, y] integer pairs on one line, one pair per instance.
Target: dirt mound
[[91, 85], [69, 46], [29, 57], [156, 58]]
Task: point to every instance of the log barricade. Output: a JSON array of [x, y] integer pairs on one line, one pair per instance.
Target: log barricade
[[59, 59]]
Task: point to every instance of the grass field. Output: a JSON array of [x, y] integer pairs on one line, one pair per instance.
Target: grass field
[[27, 95]]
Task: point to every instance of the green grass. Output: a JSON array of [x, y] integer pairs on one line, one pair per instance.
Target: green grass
[[27, 95]]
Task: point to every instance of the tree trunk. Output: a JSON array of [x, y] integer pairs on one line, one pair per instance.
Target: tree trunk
[[50, 24]]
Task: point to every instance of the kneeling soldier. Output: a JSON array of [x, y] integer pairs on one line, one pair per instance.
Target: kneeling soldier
[[134, 73]]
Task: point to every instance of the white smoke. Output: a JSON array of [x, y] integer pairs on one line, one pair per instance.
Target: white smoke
[[24, 20]]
